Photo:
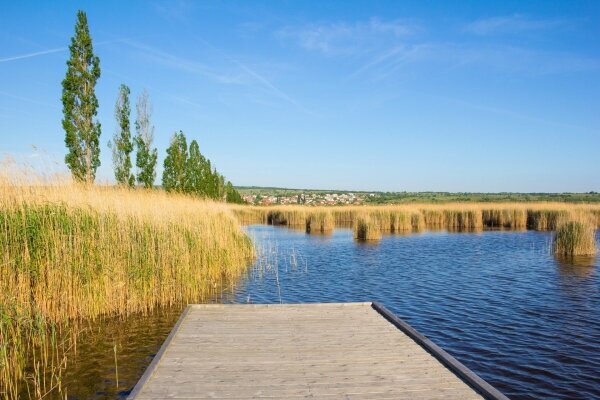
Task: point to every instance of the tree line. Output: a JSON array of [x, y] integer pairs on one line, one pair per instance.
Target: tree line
[[186, 170]]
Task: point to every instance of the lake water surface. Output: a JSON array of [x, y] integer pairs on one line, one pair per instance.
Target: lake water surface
[[498, 301]]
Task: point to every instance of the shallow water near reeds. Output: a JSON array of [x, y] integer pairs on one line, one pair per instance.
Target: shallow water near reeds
[[498, 301]]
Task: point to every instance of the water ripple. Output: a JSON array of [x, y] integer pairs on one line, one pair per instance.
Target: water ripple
[[497, 301]]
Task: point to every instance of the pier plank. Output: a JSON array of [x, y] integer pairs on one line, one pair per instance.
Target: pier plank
[[338, 350]]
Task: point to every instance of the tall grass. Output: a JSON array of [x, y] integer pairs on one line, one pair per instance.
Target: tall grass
[[463, 219], [575, 236], [510, 218], [546, 220], [366, 228], [71, 252], [320, 222], [406, 217]]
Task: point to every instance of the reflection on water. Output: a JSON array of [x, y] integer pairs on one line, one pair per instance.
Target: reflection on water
[[92, 372], [582, 263], [498, 301]]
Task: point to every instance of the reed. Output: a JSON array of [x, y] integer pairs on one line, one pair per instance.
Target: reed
[[72, 252], [400, 221], [276, 218], [383, 217], [366, 228], [417, 221], [545, 220], [509, 218], [575, 236], [433, 218], [250, 215], [463, 219], [320, 222], [452, 216], [293, 217]]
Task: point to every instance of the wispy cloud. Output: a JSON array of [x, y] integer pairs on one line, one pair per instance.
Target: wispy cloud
[[34, 54], [174, 10], [49, 51], [28, 100], [385, 48], [511, 24], [452, 55], [183, 64], [240, 74], [346, 38]]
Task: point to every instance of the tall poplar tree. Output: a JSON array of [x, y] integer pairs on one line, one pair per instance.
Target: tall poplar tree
[[174, 172], [194, 171], [146, 156], [233, 196], [122, 146], [80, 105]]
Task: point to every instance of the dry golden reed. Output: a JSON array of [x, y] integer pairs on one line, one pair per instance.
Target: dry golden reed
[[452, 216], [72, 252], [366, 228], [320, 222], [575, 236]]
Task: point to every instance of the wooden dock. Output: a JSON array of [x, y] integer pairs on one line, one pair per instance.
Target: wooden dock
[[345, 350]]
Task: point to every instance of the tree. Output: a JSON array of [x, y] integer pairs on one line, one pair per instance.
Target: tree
[[188, 171], [146, 156], [174, 172], [195, 171], [80, 105], [232, 195], [220, 186], [122, 145], [209, 180]]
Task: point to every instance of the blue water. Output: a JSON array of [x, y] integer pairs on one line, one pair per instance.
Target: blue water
[[498, 301]]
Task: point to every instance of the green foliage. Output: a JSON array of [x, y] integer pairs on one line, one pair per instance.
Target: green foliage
[[449, 197], [196, 171], [80, 105], [122, 146], [428, 197], [174, 172], [232, 195], [146, 156], [188, 171], [145, 161]]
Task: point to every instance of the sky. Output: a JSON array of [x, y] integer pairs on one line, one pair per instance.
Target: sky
[[479, 96]]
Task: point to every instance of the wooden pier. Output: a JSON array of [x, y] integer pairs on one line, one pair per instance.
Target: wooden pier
[[330, 351]]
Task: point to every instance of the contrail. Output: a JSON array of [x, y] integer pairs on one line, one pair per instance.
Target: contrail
[[37, 53], [49, 51], [270, 86]]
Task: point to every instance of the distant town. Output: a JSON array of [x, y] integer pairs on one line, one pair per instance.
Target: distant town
[[315, 199], [267, 196]]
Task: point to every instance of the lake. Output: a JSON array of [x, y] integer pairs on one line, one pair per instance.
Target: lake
[[498, 301]]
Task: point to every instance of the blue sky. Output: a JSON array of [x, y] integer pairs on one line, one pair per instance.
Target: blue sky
[[423, 95]]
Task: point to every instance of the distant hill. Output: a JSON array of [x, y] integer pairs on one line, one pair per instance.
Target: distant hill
[[376, 197]]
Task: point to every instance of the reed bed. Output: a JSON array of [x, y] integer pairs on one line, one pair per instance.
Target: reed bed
[[284, 217], [72, 252], [451, 216], [463, 219], [400, 221], [510, 218], [575, 236], [545, 220], [366, 228], [320, 222]]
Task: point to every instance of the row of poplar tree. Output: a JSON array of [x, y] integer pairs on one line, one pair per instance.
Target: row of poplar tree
[[186, 170]]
